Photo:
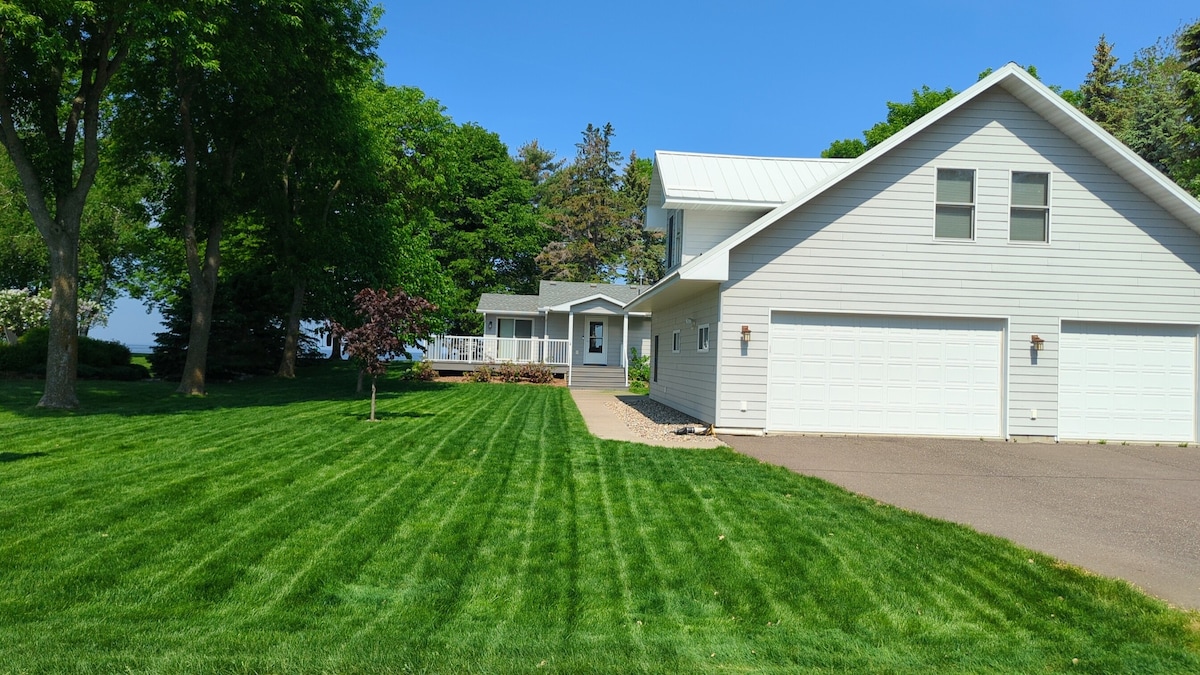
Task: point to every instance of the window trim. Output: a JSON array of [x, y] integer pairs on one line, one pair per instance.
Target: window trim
[[1048, 208], [974, 204], [675, 345], [703, 331]]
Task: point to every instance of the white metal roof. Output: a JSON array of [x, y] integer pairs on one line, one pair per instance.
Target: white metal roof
[[698, 181], [730, 180], [713, 266]]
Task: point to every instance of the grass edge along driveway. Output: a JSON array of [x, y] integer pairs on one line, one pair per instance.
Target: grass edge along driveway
[[268, 528]]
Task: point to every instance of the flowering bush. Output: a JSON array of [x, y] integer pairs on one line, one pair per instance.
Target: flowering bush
[[22, 309]]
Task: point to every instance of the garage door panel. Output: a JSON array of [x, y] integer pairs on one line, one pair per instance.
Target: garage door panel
[[1127, 382], [899, 375]]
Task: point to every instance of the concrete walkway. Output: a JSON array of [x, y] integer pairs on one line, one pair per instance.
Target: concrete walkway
[[604, 422], [1131, 512]]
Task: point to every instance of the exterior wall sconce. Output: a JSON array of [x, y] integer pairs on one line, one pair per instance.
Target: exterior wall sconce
[[490, 324], [1038, 343], [690, 321], [745, 333]]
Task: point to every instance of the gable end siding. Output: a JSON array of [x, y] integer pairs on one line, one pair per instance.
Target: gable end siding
[[867, 246]]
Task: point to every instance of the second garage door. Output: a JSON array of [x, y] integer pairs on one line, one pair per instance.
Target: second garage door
[[885, 375], [1127, 382]]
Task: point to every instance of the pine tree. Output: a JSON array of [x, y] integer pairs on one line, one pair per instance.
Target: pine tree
[[1100, 89], [586, 213], [644, 251]]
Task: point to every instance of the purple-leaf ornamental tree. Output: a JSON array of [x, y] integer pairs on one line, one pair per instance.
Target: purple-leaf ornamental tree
[[390, 322]]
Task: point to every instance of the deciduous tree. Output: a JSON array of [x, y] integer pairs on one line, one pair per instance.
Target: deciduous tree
[[57, 60], [390, 323]]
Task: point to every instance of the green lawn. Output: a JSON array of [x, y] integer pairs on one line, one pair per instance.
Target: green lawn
[[268, 528]]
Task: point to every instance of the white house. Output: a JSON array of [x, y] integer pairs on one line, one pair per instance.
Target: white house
[[581, 330], [1001, 268]]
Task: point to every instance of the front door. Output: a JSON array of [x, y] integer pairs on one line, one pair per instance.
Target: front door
[[596, 354]]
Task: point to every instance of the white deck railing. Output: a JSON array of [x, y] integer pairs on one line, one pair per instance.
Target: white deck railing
[[466, 349]]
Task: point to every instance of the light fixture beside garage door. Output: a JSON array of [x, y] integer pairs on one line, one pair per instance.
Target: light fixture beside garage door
[[1038, 343]]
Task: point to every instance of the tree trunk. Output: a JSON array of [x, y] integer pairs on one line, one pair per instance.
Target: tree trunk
[[336, 345], [202, 269], [10, 336], [194, 366], [372, 398], [287, 368], [62, 355]]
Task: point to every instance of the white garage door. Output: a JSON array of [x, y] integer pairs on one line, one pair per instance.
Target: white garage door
[[1127, 382], [884, 375]]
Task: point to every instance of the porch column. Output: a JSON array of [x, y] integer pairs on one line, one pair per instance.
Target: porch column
[[570, 345], [625, 346]]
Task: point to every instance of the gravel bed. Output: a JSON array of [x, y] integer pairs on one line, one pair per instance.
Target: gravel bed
[[652, 420]]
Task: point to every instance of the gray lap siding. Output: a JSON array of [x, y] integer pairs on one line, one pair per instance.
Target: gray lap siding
[[867, 246], [687, 380]]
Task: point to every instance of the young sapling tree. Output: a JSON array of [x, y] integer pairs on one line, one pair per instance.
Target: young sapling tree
[[391, 321]]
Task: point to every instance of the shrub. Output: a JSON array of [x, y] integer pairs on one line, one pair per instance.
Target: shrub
[[422, 371], [537, 373], [639, 366], [98, 359], [480, 374], [508, 372]]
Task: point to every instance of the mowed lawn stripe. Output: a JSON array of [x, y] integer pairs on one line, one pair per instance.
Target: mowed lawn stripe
[[200, 492], [314, 491], [437, 569], [478, 528]]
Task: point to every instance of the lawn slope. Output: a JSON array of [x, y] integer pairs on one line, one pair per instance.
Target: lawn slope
[[268, 528]]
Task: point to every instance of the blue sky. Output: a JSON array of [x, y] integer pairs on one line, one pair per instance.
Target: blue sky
[[753, 78]]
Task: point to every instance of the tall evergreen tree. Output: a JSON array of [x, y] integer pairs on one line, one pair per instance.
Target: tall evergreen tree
[[1099, 91], [1188, 171], [587, 214], [644, 251]]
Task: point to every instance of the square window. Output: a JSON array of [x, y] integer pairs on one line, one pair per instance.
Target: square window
[[702, 338], [675, 341], [1029, 217], [954, 214]]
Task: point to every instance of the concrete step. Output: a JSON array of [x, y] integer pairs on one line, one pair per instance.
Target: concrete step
[[597, 377]]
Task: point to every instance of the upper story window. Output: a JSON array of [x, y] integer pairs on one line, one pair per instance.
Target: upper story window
[[702, 338], [955, 210], [1029, 216], [675, 341], [674, 239]]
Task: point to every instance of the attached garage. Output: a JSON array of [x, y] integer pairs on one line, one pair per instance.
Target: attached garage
[[928, 376], [1127, 382]]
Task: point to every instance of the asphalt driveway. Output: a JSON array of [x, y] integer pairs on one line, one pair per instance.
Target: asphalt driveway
[[1126, 511]]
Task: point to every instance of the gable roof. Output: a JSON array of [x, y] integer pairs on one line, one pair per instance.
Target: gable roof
[[713, 265], [558, 295], [553, 293]]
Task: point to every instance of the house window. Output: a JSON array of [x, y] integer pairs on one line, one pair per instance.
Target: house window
[[702, 338], [1029, 217], [955, 210], [675, 341], [515, 328], [674, 239], [654, 360]]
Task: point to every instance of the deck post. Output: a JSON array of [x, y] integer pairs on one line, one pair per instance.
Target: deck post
[[570, 345], [625, 346]]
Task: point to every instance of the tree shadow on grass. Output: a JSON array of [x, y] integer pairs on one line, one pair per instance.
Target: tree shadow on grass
[[325, 382], [18, 456], [383, 415]]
